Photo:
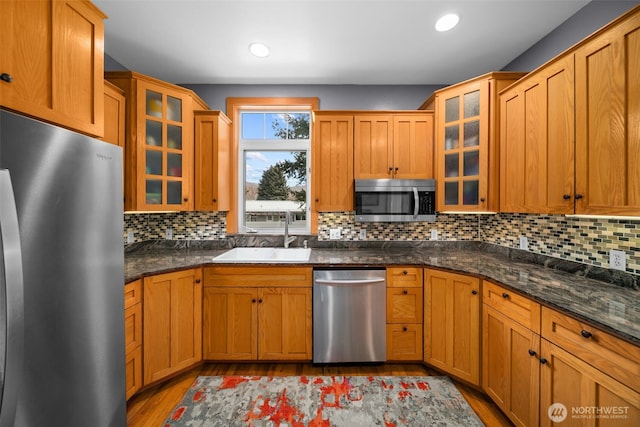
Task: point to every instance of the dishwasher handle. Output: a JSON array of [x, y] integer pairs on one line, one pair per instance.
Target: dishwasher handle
[[349, 282]]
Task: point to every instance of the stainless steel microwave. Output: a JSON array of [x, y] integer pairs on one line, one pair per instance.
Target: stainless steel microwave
[[395, 200]]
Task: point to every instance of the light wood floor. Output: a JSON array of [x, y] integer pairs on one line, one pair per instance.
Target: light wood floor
[[151, 407]]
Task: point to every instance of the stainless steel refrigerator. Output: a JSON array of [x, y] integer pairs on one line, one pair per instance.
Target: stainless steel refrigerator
[[62, 355]]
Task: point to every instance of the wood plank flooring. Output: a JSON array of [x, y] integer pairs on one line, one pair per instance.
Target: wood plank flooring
[[151, 407]]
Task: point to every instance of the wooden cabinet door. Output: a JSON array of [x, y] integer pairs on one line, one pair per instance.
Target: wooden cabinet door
[[404, 341], [284, 324], [608, 121], [54, 52], [212, 161], [172, 323], [373, 146], [404, 305], [230, 318], [332, 157], [413, 146], [582, 389], [114, 114], [452, 324], [537, 141], [510, 366]]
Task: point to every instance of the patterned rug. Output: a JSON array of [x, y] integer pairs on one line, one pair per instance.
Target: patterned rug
[[324, 401]]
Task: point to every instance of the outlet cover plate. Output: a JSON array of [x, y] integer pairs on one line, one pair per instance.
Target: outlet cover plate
[[434, 234], [334, 233], [131, 238], [363, 234], [168, 234], [617, 260], [524, 243]]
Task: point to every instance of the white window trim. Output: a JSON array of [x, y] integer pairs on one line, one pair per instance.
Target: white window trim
[[245, 145]]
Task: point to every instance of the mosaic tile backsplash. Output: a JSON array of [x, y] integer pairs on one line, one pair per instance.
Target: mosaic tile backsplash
[[584, 240]]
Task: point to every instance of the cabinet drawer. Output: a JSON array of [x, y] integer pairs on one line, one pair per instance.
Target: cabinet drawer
[[404, 342], [613, 356], [133, 371], [404, 305], [516, 307], [132, 293], [133, 327], [404, 277], [256, 276]]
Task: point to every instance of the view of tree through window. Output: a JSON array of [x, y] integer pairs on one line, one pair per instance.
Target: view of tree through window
[[275, 149]]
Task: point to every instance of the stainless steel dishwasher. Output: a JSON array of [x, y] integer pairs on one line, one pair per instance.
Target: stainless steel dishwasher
[[349, 315]]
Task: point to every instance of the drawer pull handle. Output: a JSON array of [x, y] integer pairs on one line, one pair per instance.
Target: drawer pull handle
[[405, 272], [543, 360], [6, 77], [405, 292], [532, 353], [586, 333], [474, 292], [505, 295]]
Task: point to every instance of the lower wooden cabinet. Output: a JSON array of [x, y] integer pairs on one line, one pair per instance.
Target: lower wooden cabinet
[[257, 313], [510, 366], [404, 313], [588, 396], [452, 324], [133, 336], [172, 323]]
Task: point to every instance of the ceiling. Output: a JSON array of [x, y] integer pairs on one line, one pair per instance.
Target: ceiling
[[324, 41]]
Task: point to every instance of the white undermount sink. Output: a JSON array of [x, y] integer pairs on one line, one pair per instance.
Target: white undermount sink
[[262, 254]]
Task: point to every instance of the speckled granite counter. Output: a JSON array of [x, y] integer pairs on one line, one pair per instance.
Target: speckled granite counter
[[574, 289]]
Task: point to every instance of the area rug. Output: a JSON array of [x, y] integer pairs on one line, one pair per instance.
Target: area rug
[[322, 401]]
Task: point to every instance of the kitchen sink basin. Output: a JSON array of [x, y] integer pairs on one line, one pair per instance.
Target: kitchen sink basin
[[263, 254]]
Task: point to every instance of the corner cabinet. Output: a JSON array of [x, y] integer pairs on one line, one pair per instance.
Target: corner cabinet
[[159, 160], [172, 323], [393, 144], [257, 313], [452, 324], [332, 157], [212, 161], [52, 62], [467, 142]]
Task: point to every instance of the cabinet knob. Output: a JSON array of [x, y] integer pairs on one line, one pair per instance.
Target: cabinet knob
[[405, 272], [482, 199], [6, 77], [532, 353], [404, 329], [578, 196], [405, 292], [197, 280], [505, 295], [566, 196], [186, 199], [215, 200], [317, 200], [586, 333], [543, 360], [260, 301], [253, 300], [390, 169], [396, 169], [474, 292]]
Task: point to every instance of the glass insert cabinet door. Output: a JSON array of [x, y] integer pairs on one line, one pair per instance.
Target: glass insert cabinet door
[[461, 132], [162, 118]]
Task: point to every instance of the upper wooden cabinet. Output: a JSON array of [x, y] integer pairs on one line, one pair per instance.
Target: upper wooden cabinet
[[393, 145], [332, 157], [570, 130], [52, 62], [608, 120], [537, 141], [467, 143], [212, 161], [114, 114], [159, 162]]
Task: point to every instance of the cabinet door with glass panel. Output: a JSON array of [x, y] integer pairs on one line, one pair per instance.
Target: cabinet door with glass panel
[[467, 141], [165, 148]]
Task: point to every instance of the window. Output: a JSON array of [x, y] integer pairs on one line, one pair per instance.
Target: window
[[274, 147]]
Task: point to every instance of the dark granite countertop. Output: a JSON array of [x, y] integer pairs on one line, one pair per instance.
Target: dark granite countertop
[[611, 302]]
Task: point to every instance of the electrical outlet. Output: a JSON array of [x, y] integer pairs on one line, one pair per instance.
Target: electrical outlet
[[617, 260], [130, 237], [168, 233], [363, 234], [334, 233], [524, 243], [434, 234]]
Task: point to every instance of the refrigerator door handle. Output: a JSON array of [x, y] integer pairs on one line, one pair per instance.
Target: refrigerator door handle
[[12, 300]]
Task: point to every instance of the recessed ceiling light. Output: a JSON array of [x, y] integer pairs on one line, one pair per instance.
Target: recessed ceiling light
[[447, 22], [258, 49]]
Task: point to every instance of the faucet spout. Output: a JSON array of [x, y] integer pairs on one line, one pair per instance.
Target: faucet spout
[[287, 220]]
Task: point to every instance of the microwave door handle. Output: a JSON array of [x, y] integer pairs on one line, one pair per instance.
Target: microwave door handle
[[416, 200]]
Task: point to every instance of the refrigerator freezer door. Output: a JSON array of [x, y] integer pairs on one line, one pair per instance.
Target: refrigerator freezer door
[[11, 303], [68, 193]]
